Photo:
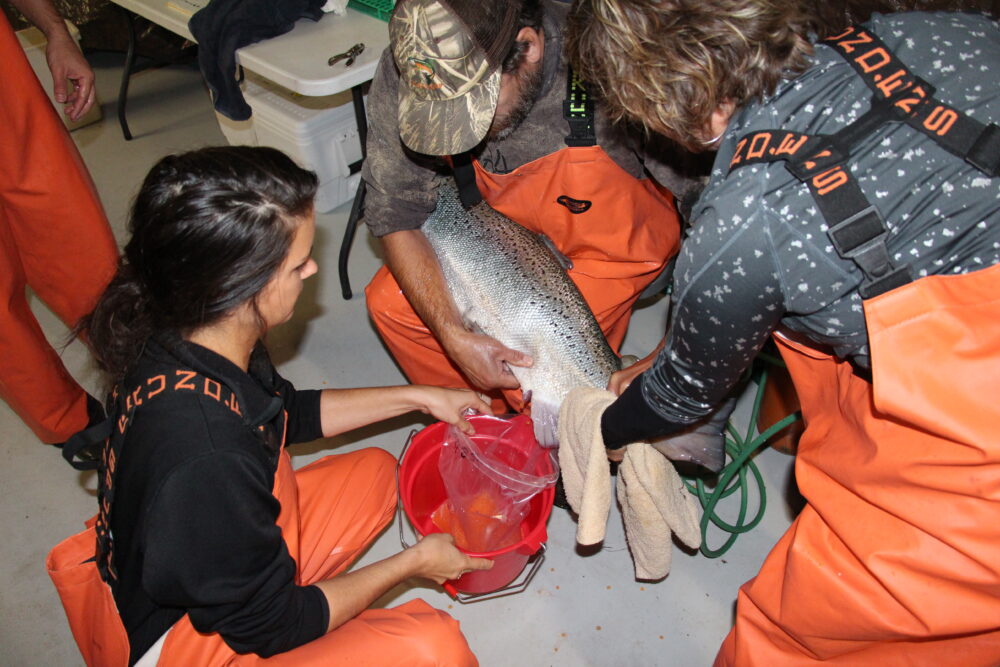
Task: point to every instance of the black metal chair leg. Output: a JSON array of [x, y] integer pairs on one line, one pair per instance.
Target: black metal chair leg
[[345, 245], [357, 93], [126, 74]]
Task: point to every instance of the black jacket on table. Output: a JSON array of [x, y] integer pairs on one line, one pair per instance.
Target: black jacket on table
[[193, 518]]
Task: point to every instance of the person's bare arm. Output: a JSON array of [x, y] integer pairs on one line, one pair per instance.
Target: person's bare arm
[[483, 359], [342, 410], [435, 557], [73, 80]]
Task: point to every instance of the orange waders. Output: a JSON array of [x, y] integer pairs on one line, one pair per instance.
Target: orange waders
[[896, 558], [54, 238], [618, 245], [331, 510]]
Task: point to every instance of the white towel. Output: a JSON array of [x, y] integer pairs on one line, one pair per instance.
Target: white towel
[[338, 7], [654, 502]]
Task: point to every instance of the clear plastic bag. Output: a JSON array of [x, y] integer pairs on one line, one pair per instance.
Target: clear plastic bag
[[489, 479]]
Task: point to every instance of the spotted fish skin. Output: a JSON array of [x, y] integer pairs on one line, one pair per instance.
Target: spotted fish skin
[[507, 284]]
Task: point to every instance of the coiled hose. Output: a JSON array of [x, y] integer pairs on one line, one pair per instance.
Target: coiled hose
[[735, 476]]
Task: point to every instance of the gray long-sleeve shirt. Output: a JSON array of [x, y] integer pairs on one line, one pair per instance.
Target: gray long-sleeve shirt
[[758, 255]]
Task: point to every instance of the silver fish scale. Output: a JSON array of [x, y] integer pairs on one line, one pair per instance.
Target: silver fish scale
[[507, 284]]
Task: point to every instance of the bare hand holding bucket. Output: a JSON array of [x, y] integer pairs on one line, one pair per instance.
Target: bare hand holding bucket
[[435, 557], [452, 406], [441, 561]]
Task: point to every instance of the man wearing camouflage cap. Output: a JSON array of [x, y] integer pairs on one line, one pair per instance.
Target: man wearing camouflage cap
[[486, 80]]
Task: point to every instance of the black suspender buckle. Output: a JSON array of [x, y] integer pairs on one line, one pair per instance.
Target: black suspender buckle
[[984, 154], [851, 235], [581, 125], [861, 238], [896, 277]]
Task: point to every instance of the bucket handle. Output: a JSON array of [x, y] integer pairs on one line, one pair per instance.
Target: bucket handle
[[400, 519], [509, 589]]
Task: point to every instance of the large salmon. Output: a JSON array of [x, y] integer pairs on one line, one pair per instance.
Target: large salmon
[[509, 285]]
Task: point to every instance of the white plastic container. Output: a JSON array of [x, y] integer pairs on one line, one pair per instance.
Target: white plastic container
[[320, 133], [237, 132], [33, 42]]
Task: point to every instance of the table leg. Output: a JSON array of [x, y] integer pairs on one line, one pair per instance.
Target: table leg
[[359, 195], [126, 73]]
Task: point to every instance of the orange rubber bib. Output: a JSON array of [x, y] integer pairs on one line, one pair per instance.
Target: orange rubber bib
[[896, 558]]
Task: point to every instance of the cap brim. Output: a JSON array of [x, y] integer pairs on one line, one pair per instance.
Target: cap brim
[[448, 127]]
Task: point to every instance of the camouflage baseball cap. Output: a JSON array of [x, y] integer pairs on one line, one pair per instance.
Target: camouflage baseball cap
[[449, 54]]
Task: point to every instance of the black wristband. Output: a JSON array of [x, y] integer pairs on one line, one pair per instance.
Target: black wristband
[[630, 419]]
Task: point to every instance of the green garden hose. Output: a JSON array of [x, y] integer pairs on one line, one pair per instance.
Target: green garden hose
[[735, 477]]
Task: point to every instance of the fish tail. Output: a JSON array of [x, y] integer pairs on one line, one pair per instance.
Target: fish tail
[[545, 416]]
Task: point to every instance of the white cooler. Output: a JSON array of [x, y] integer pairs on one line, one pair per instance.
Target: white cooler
[[320, 133]]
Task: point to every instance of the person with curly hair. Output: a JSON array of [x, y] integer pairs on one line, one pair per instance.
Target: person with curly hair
[[852, 214]]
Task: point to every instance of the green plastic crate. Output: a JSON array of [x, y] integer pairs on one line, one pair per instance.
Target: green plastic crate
[[380, 9]]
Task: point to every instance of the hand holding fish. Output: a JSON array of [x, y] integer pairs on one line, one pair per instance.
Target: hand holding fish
[[620, 380], [512, 316], [452, 405], [485, 360]]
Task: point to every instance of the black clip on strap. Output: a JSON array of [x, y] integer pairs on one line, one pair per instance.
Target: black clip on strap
[[861, 238], [985, 152], [88, 440], [465, 180]]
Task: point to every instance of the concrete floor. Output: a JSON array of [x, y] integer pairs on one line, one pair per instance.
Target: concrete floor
[[583, 607]]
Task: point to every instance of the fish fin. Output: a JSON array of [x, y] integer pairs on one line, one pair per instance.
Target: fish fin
[[545, 417], [704, 449], [563, 260], [704, 443]]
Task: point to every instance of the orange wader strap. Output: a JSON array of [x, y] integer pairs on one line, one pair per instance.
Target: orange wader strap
[[856, 227], [891, 81]]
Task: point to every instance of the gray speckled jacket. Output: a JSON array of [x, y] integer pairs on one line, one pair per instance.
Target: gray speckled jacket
[[758, 255]]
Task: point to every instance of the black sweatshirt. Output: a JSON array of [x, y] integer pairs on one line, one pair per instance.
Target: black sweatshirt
[[193, 519]]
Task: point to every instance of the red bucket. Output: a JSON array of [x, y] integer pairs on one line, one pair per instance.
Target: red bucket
[[422, 492]]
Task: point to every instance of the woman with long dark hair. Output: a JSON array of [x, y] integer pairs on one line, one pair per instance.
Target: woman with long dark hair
[[214, 549]]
